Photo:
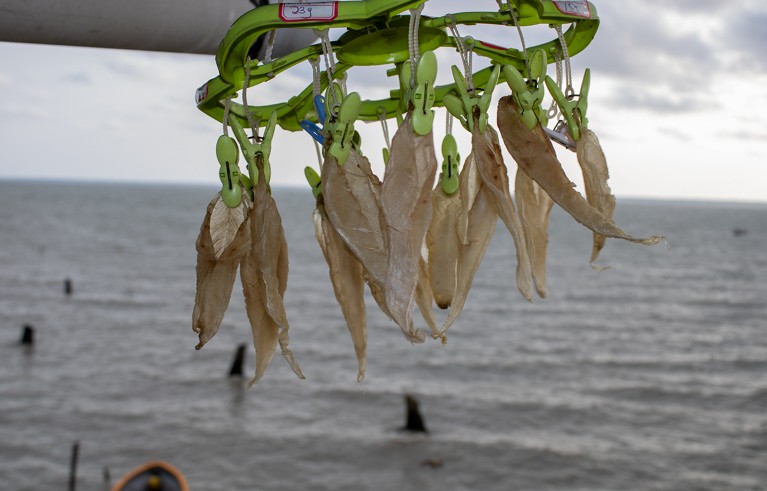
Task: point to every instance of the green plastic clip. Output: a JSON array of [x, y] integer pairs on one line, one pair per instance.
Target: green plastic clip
[[263, 148], [228, 154], [529, 94], [314, 181], [342, 112], [469, 105], [422, 95], [257, 149], [573, 110], [450, 160]]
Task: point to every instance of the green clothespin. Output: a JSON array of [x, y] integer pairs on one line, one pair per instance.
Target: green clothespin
[[574, 111], [314, 181], [381, 111], [450, 160], [469, 105], [342, 112], [529, 94], [228, 154], [261, 148], [422, 95]]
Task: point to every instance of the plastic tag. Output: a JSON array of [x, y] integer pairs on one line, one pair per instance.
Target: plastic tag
[[308, 12], [201, 94], [578, 9]]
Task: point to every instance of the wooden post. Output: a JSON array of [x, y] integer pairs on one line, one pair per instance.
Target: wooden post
[[73, 466]]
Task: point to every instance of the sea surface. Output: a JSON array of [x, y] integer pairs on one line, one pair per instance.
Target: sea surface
[[650, 375]]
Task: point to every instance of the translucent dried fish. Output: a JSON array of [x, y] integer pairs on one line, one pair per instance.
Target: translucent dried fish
[[266, 266], [407, 211], [534, 208], [346, 275], [223, 241], [535, 154], [351, 196], [424, 298], [225, 223], [494, 175], [469, 188], [442, 242], [264, 329], [480, 226], [593, 164]]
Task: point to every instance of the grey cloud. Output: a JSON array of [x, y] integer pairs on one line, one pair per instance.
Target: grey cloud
[[747, 135], [667, 102], [675, 133], [143, 66], [78, 78], [657, 67], [693, 6], [746, 34]]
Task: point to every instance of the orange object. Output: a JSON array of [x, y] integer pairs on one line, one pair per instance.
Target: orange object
[[146, 477]]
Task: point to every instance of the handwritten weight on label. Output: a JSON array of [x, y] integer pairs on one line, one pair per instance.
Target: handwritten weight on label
[[577, 8], [303, 12]]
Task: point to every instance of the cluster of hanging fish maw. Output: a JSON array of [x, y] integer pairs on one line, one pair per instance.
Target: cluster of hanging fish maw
[[409, 239]]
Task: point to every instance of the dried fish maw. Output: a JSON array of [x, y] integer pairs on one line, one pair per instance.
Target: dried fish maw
[[534, 208], [265, 331], [470, 184], [593, 164], [223, 241], [481, 223], [424, 298], [495, 177], [346, 275], [225, 223], [351, 195], [406, 205], [442, 243], [535, 155], [268, 256]]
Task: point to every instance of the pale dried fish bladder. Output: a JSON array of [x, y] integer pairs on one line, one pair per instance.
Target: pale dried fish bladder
[[407, 211], [249, 236], [442, 235], [264, 275], [223, 241], [534, 208], [535, 155], [492, 170], [347, 278], [595, 175], [351, 198], [478, 224]]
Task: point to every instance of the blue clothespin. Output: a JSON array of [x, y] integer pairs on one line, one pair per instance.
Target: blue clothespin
[[312, 128]]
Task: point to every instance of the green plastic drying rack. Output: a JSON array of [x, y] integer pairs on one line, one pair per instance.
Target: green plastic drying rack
[[377, 34]]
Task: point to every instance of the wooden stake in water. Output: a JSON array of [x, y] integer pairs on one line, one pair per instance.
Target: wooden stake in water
[[73, 466]]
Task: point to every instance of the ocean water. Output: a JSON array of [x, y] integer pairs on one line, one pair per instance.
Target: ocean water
[[651, 375]]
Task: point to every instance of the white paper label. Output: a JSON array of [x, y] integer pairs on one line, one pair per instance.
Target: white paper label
[[579, 9], [303, 12], [201, 94]]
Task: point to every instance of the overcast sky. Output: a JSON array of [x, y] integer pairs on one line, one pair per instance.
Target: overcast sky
[[678, 98]]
